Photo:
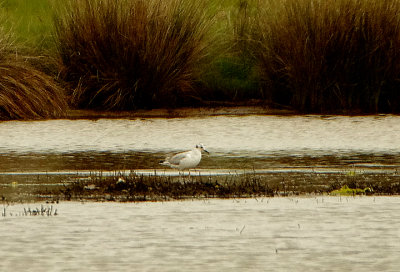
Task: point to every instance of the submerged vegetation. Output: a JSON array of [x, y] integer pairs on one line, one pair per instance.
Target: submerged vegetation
[[318, 56]]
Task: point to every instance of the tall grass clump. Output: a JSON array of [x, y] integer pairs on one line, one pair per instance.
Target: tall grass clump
[[329, 55], [123, 55], [25, 92]]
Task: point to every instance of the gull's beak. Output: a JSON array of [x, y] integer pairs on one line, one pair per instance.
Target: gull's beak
[[206, 151]]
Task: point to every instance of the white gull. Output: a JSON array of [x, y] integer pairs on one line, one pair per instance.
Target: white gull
[[185, 160]]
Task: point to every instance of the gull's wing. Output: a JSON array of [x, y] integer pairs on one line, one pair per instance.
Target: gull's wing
[[178, 157]]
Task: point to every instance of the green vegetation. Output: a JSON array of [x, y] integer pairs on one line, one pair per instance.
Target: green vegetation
[[319, 56], [346, 191], [230, 73], [31, 22]]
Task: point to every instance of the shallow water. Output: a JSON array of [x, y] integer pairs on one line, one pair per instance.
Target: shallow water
[[269, 234], [252, 142], [245, 135]]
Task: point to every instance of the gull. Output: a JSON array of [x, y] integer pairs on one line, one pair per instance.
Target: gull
[[185, 160]]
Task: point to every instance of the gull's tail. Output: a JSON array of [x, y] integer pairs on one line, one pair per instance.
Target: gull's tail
[[165, 162]]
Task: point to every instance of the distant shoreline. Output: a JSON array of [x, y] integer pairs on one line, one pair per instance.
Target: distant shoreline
[[178, 112]]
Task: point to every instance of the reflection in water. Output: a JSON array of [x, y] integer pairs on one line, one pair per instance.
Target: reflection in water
[[234, 142]]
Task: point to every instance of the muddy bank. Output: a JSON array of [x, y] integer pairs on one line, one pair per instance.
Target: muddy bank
[[178, 112]]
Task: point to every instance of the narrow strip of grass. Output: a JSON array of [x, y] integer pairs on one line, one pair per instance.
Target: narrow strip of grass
[[154, 188]]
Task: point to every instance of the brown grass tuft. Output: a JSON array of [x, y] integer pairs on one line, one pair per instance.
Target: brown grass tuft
[[123, 55], [330, 56], [26, 93]]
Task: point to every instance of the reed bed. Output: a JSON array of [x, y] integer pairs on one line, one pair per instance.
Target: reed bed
[[328, 56], [314, 56], [131, 54]]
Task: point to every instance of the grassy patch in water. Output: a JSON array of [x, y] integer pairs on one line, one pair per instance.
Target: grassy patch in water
[[346, 191], [42, 211], [142, 188], [133, 187]]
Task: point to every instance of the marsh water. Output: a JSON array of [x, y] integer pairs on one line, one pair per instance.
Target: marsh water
[[234, 142], [266, 234]]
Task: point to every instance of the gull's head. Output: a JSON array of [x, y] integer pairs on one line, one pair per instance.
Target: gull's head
[[202, 147]]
